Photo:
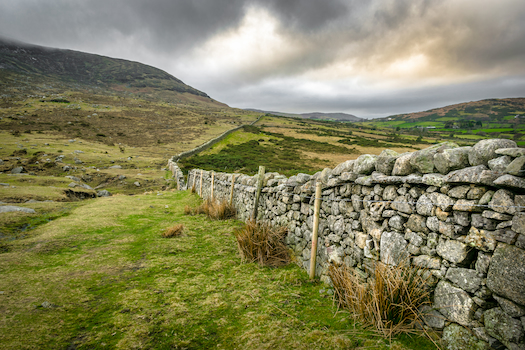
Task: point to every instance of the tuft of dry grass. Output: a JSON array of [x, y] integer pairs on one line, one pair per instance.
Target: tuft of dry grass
[[214, 210], [262, 243], [389, 301], [173, 231]]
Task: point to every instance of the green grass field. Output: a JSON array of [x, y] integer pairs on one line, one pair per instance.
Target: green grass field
[[101, 276]]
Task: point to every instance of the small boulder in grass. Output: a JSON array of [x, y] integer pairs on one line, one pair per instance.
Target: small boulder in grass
[[174, 231]]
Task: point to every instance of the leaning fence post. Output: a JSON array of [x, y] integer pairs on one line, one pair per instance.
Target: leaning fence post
[[212, 184], [258, 192], [200, 187], [317, 207], [231, 190], [194, 173]]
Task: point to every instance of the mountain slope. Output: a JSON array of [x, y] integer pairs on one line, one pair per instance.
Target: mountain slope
[[87, 70], [315, 115]]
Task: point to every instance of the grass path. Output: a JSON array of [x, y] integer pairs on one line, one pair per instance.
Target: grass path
[[102, 277]]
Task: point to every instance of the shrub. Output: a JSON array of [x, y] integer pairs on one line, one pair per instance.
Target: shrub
[[261, 243], [174, 231], [389, 301], [214, 210]]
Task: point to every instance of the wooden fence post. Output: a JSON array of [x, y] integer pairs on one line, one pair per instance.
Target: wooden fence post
[[258, 192], [317, 207], [212, 184], [194, 179], [231, 190], [200, 187]]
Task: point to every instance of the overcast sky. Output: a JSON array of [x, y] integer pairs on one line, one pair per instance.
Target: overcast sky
[[369, 58]]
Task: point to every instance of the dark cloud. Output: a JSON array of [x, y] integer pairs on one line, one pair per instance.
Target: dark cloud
[[469, 49]]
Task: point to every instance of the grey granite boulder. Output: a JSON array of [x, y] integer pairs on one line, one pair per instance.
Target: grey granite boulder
[[423, 160], [516, 167], [485, 150], [451, 159], [466, 279], [506, 276], [500, 163], [344, 167], [103, 193], [512, 152], [365, 164], [385, 161], [12, 208], [510, 308], [17, 170], [503, 327], [468, 175], [456, 337], [393, 248], [402, 166], [454, 303], [454, 251], [503, 202], [510, 181]]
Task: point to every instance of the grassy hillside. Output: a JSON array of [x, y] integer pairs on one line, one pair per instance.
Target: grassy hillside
[[471, 121]]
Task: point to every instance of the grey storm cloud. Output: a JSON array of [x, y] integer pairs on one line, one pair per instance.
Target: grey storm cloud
[[330, 54]]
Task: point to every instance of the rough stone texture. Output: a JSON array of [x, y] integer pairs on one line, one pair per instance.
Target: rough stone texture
[[423, 160], [456, 337], [481, 239], [512, 152], [12, 208], [402, 165], [465, 279], [500, 163], [466, 175], [510, 181], [516, 167], [386, 160], [431, 317], [393, 248], [503, 327], [453, 251], [451, 159], [518, 223], [365, 164], [485, 150], [506, 276], [347, 166], [503, 202], [17, 170], [454, 303], [510, 308], [417, 223], [103, 193]]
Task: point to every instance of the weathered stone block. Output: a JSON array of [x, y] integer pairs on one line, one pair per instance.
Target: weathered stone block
[[466, 205], [393, 248], [456, 337], [417, 223], [485, 150], [506, 276], [482, 263], [424, 205], [518, 223], [462, 218], [510, 308], [454, 251], [451, 159], [442, 201], [510, 181], [402, 165], [454, 303], [427, 262], [347, 166], [365, 164], [500, 163], [433, 223], [432, 317], [481, 239], [465, 279], [403, 205], [503, 327], [459, 192], [503, 202], [516, 167], [386, 160], [468, 175]]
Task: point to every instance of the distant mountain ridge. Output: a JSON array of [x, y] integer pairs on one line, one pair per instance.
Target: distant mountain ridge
[[314, 115], [74, 67]]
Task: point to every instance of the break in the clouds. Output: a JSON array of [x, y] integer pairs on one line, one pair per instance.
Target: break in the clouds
[[372, 58]]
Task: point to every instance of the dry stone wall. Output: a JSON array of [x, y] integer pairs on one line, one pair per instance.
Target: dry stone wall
[[458, 212]]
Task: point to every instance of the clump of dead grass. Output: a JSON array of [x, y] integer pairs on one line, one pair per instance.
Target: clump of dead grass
[[214, 210], [389, 301], [173, 231], [262, 243]]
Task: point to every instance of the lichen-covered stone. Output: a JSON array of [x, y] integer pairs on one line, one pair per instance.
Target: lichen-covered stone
[[347, 166], [513, 152], [516, 167], [386, 160], [427, 262], [500, 163], [403, 205], [443, 201], [453, 251], [510, 308], [402, 166], [451, 159], [503, 327], [465, 279], [467, 175], [454, 303], [417, 223], [481, 239], [485, 150], [503, 202], [423, 160], [510, 181], [518, 223], [506, 276], [365, 164], [456, 337], [393, 248]]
